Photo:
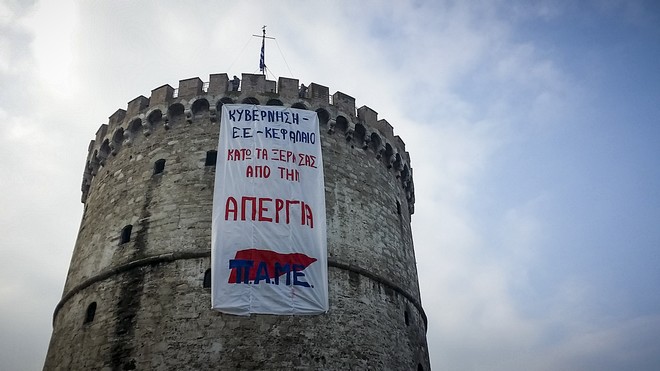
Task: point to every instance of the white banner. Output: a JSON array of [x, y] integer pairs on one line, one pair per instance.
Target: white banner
[[269, 252]]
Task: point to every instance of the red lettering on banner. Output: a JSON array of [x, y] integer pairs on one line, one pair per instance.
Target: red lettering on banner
[[307, 217], [240, 154], [279, 205], [306, 160], [231, 207], [257, 171], [262, 153], [262, 210], [244, 201], [289, 174], [288, 204], [283, 155], [300, 159]]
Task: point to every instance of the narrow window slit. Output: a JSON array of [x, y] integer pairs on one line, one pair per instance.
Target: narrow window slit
[[159, 166], [211, 158], [125, 234], [207, 279], [90, 312]]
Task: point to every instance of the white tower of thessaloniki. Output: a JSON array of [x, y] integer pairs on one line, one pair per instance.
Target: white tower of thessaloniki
[[137, 293]]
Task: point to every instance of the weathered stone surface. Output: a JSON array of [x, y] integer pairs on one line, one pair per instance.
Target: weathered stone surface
[[152, 311]]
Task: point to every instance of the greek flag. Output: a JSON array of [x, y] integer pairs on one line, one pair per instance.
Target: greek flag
[[262, 63]]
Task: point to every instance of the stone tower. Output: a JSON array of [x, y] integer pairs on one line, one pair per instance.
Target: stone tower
[[137, 293]]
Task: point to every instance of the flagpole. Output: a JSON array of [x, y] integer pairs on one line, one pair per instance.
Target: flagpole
[[262, 57]]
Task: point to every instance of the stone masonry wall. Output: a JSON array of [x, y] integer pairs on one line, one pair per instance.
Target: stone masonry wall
[[151, 310]]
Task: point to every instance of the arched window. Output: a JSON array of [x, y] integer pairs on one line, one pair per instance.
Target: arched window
[[207, 279], [360, 135], [274, 102], [175, 109], [135, 126], [323, 115], [224, 100], [342, 123], [118, 138], [159, 166], [405, 173], [200, 105], [397, 162], [405, 318], [104, 152], [211, 158], [90, 312], [389, 152], [251, 100], [398, 207], [125, 234], [420, 367], [154, 116], [375, 142]]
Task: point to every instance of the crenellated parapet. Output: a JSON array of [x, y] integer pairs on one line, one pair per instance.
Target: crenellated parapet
[[168, 108]]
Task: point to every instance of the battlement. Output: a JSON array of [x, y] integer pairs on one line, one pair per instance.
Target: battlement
[[193, 98]]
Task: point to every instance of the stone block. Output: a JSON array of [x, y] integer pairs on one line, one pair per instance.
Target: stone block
[[190, 87]]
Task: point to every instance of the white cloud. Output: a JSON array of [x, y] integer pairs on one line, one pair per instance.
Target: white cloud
[[52, 48], [464, 91]]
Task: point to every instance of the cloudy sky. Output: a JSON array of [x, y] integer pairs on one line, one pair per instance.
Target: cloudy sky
[[533, 127]]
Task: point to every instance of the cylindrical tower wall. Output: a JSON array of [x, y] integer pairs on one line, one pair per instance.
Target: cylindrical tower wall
[[135, 297]]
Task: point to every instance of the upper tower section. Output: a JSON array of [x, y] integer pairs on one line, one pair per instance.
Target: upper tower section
[[169, 106]]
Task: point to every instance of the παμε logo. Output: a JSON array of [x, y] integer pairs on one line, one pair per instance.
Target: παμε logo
[[254, 266]]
